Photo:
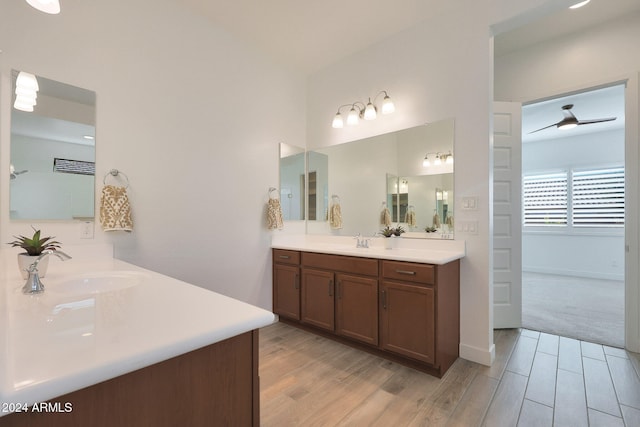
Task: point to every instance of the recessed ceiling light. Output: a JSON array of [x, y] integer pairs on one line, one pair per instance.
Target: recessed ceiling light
[[577, 5]]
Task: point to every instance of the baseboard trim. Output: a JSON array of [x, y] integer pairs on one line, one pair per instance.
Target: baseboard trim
[[477, 354]]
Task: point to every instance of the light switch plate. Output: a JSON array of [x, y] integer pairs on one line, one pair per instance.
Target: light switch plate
[[86, 230], [470, 203]]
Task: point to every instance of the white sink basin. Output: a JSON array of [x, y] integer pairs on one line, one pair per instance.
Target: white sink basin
[[95, 283]]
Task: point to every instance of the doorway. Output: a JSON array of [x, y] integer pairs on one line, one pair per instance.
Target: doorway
[[573, 200]]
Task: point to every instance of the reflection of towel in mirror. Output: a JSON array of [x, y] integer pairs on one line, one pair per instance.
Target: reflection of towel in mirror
[[335, 216], [436, 220], [410, 218], [385, 217], [115, 210], [274, 215], [449, 221]]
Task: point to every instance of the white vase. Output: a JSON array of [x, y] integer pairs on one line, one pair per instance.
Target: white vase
[[388, 242], [25, 260]]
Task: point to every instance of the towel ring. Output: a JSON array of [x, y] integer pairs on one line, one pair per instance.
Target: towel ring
[[115, 173], [271, 190], [335, 198]]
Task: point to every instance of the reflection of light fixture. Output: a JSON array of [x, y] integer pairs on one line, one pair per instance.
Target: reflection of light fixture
[[46, 6], [361, 111], [439, 158], [580, 4], [89, 137], [26, 91]]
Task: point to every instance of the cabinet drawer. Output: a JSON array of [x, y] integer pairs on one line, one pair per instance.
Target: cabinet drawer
[[409, 272], [341, 263], [284, 256]]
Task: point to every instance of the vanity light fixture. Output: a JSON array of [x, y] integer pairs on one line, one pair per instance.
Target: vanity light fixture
[[438, 160], [580, 4], [361, 111], [47, 6], [26, 92]]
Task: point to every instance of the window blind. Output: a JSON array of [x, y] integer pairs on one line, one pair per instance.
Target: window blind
[[80, 167], [545, 199], [598, 198]]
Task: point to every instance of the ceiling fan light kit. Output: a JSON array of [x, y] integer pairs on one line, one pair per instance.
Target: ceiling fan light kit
[[570, 121]]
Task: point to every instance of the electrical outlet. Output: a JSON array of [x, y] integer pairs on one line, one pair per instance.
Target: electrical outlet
[[86, 230]]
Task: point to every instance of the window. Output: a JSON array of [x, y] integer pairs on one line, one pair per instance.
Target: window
[[595, 198], [79, 167], [598, 198], [545, 199]]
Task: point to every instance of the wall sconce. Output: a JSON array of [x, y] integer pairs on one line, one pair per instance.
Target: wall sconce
[[26, 92], [438, 160], [361, 111], [47, 6]]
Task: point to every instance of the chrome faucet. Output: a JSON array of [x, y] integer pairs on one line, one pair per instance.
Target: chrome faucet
[[361, 242], [34, 285]]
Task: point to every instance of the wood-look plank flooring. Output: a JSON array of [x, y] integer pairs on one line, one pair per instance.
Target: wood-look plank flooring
[[537, 379]]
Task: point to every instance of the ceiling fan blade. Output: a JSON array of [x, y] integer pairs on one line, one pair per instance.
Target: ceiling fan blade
[[588, 122], [546, 127]]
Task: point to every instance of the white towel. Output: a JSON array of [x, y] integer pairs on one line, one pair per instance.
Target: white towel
[[335, 216], [115, 210], [274, 215]]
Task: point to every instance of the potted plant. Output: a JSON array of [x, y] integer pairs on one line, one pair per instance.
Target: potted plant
[[398, 231], [33, 246], [391, 232]]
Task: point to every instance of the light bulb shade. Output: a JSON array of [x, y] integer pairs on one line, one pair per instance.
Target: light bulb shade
[[449, 160], [567, 126], [580, 4], [47, 6], [426, 163], [437, 162], [29, 98], [387, 105], [27, 81], [337, 123], [27, 107], [370, 112], [353, 117]]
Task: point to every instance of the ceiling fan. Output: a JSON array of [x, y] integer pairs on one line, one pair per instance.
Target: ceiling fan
[[570, 121], [14, 173]]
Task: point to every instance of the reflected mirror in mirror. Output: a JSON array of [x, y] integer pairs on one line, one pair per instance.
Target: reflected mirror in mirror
[[53, 153], [389, 171], [292, 182]]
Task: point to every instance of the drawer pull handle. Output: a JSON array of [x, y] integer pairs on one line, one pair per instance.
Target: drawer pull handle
[[410, 273], [285, 256]]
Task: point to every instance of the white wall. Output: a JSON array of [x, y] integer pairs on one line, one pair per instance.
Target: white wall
[[602, 55], [571, 251], [439, 69], [191, 115]]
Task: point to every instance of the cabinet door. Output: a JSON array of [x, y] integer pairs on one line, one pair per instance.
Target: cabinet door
[[286, 291], [407, 314], [317, 298], [357, 308]]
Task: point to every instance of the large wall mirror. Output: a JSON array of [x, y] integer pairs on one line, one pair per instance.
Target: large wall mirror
[[386, 172], [292, 186], [52, 151]]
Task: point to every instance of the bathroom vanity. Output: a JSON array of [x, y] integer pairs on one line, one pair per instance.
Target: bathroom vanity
[[402, 304], [109, 343]]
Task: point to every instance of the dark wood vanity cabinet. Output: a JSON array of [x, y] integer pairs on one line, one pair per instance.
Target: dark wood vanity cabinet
[[286, 283], [407, 312], [340, 294]]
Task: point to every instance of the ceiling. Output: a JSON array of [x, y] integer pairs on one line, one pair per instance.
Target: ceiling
[[310, 35]]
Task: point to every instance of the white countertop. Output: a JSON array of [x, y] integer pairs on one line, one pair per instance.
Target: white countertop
[[56, 342], [427, 251]]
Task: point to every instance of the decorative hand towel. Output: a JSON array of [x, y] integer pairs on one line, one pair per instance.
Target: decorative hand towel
[[385, 216], [115, 210], [436, 220], [449, 221], [274, 215], [410, 218], [335, 216]]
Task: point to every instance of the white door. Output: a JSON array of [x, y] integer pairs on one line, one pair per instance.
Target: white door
[[507, 213]]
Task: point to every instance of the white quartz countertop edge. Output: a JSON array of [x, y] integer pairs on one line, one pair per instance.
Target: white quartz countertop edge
[[426, 256], [230, 317]]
